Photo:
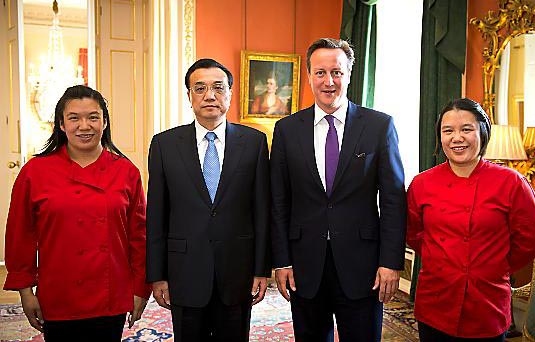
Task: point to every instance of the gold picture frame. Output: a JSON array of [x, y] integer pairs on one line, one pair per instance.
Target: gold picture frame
[[269, 86]]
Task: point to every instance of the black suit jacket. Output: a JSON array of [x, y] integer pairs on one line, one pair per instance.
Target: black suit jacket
[[361, 238], [189, 240]]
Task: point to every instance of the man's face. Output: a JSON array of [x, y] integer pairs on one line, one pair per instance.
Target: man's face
[[329, 77], [271, 85], [209, 95]]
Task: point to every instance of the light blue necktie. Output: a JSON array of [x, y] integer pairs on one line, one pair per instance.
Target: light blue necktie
[[210, 169]]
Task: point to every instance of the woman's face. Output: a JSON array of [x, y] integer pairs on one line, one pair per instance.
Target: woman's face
[[460, 137], [271, 85], [84, 124]]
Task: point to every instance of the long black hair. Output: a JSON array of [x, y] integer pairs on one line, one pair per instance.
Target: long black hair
[[59, 138]]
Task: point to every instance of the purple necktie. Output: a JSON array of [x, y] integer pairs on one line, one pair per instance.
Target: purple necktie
[[331, 154]]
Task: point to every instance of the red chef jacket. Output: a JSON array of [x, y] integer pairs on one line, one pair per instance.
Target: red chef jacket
[[471, 233], [78, 234]]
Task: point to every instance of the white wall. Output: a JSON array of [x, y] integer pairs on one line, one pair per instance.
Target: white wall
[[397, 78]]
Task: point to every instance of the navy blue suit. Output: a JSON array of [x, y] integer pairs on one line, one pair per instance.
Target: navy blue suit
[[206, 250], [361, 239]]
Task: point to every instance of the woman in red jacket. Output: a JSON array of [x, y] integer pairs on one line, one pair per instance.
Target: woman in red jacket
[[76, 228], [473, 223]]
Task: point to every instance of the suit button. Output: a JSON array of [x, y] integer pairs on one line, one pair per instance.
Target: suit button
[[213, 213], [330, 206]]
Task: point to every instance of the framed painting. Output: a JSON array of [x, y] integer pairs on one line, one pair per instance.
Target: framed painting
[[269, 85]]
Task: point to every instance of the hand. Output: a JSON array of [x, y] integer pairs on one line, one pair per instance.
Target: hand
[[259, 289], [31, 307], [284, 276], [160, 291], [139, 307], [387, 280]]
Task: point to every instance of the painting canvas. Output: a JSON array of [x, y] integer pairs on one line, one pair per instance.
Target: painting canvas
[[269, 85]]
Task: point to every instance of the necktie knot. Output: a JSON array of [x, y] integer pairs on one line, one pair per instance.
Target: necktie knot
[[330, 120], [210, 136]]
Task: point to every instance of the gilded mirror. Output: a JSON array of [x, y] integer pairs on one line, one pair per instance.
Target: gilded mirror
[[513, 18], [506, 33]]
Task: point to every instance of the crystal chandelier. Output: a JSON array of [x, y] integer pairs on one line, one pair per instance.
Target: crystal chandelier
[[56, 73]]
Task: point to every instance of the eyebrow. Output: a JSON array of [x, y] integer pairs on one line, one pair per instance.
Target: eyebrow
[[462, 126], [202, 83], [76, 113]]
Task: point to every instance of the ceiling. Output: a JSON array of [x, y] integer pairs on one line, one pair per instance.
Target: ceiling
[[82, 4], [72, 13]]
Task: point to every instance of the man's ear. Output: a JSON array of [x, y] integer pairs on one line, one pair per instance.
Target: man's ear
[[188, 92]]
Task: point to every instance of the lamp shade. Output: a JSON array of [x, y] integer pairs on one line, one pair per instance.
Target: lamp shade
[[529, 137], [505, 144]]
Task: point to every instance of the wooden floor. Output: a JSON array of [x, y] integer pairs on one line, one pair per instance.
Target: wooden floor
[[7, 297]]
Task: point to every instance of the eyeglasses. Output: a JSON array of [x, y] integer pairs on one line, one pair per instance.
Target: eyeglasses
[[201, 89]]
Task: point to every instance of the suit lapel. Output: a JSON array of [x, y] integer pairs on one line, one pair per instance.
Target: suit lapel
[[306, 140], [234, 145], [187, 147], [352, 131]]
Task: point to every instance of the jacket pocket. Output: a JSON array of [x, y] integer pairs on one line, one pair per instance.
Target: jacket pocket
[[176, 245]]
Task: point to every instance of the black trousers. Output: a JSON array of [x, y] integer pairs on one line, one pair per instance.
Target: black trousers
[[357, 320], [105, 329], [430, 334], [215, 322]]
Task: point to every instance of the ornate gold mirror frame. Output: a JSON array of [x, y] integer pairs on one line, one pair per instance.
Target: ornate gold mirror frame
[[513, 18]]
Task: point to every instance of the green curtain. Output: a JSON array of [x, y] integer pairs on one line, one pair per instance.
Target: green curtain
[[443, 60], [359, 27]]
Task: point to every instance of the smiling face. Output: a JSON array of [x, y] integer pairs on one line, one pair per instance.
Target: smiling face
[[329, 77], [83, 124], [460, 139], [211, 107]]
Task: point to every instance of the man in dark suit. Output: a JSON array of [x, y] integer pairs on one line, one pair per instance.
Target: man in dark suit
[[332, 165], [208, 215]]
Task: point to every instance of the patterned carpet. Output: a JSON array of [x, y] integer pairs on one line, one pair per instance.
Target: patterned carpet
[[271, 321]]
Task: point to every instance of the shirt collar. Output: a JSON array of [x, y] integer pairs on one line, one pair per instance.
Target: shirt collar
[[200, 131], [340, 114]]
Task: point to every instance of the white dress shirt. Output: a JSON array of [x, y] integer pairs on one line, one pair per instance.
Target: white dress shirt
[[202, 143], [321, 126]]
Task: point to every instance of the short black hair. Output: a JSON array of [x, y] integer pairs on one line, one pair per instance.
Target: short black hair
[[207, 63], [474, 108]]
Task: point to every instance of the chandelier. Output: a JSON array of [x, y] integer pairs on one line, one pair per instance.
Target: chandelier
[[55, 74]]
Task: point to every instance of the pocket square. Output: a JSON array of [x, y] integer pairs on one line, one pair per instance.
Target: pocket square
[[360, 155]]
